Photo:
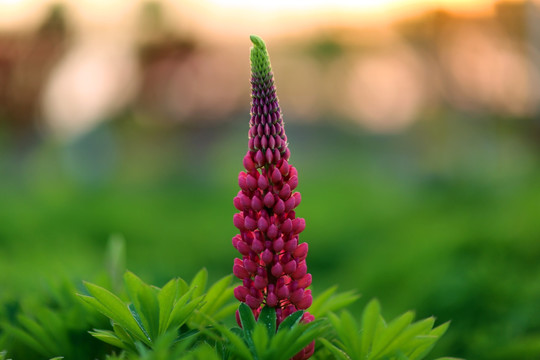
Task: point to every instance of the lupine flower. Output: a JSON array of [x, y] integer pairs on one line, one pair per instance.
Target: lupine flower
[[273, 265]]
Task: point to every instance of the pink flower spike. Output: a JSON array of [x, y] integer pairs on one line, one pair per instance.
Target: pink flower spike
[[301, 251], [256, 203], [278, 244], [297, 199], [238, 221], [250, 223], [260, 282], [297, 296], [252, 302], [289, 267], [299, 225], [271, 300], [293, 182], [251, 182], [269, 156], [249, 165], [259, 158], [276, 176], [268, 200], [267, 256], [240, 293], [279, 207], [242, 181], [250, 265], [305, 281], [273, 268], [289, 204], [240, 272], [306, 300], [277, 270], [243, 248], [238, 203], [262, 182]]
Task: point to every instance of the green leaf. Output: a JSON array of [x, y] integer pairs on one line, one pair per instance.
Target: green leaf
[[334, 350], [149, 309], [38, 332], [134, 286], [123, 335], [166, 298], [111, 306], [370, 318], [327, 301], [225, 311], [391, 332], [267, 317], [420, 346], [246, 317], [176, 317], [199, 282], [416, 329], [296, 338], [138, 320], [109, 337], [54, 325], [182, 311], [183, 288], [320, 300], [440, 330], [25, 338], [291, 320], [238, 346], [343, 336], [260, 340], [350, 332], [215, 295]]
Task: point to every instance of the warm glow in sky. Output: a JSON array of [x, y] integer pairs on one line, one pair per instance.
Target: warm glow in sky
[[217, 16]]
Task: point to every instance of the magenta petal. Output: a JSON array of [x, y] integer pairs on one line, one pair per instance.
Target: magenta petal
[[240, 272]]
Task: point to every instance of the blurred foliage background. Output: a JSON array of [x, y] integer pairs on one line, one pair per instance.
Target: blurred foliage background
[[415, 131]]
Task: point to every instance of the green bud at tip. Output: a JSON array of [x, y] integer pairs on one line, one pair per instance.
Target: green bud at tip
[[260, 62], [257, 41]]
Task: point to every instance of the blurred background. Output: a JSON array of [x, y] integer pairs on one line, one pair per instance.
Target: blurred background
[[414, 126]]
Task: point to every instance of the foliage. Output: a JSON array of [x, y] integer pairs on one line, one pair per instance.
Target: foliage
[[401, 339], [177, 322], [153, 313], [55, 325], [260, 340]]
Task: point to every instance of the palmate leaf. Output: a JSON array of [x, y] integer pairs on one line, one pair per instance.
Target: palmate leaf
[[152, 312], [232, 339], [334, 350], [389, 334], [215, 301], [25, 338], [115, 309], [199, 282], [109, 337], [261, 339], [401, 339], [330, 301], [370, 318], [145, 304], [267, 317], [166, 300], [246, 318]]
